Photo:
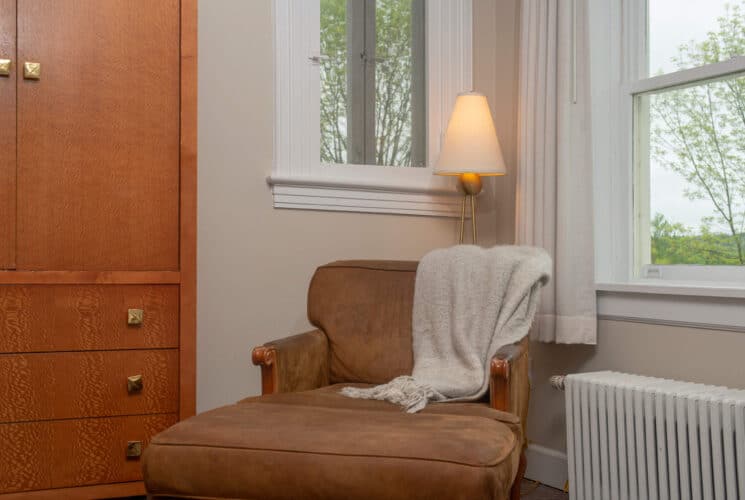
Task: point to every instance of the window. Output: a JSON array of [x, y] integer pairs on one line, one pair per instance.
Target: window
[[372, 82], [668, 124], [687, 128], [364, 89]]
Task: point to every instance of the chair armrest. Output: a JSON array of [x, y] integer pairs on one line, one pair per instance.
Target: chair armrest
[[509, 390], [291, 364], [509, 387]]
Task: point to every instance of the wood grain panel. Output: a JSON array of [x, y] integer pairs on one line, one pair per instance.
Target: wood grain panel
[[89, 277], [98, 135], [45, 318], [24, 456], [188, 212], [116, 490], [87, 384], [8, 136], [73, 452]]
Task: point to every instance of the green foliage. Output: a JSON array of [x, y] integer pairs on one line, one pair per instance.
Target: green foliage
[[334, 81], [391, 67], [393, 82], [673, 243], [699, 133]]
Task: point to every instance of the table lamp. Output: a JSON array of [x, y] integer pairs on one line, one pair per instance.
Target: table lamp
[[470, 150]]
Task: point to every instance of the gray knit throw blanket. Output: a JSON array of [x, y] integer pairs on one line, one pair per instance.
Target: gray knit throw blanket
[[468, 302]]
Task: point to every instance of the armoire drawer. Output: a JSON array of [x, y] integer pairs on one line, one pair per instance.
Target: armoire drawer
[[45, 318], [87, 384], [59, 454]]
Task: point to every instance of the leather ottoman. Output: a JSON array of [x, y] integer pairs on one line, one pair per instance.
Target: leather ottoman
[[319, 445]]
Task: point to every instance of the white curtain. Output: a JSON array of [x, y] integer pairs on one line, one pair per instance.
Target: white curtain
[[554, 184]]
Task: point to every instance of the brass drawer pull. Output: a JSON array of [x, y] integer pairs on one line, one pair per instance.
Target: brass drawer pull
[[134, 384], [32, 70], [5, 67], [135, 316], [134, 449]]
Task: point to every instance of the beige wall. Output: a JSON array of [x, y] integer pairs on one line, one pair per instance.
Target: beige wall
[[495, 74], [255, 262]]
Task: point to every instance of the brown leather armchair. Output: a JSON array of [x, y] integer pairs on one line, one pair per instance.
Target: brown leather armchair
[[302, 439]]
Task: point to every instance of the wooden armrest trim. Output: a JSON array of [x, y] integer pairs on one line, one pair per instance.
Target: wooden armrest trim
[[508, 353], [501, 398], [265, 357], [500, 369], [293, 363]]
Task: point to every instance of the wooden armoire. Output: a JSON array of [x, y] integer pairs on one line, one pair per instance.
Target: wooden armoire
[[97, 239]]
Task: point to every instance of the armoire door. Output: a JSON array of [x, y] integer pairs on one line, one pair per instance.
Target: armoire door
[[7, 133], [98, 135]]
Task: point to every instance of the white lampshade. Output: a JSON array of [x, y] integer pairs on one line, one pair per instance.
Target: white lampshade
[[470, 144]]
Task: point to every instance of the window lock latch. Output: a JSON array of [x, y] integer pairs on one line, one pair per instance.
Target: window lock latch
[[367, 59], [318, 59], [652, 272]]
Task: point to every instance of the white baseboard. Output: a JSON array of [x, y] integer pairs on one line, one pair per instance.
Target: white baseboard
[[547, 466]]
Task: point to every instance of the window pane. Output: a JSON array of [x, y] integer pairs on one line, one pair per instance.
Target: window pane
[[691, 144], [689, 33], [373, 92], [399, 49], [334, 81]]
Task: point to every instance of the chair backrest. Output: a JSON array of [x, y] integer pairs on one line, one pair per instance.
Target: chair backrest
[[365, 309]]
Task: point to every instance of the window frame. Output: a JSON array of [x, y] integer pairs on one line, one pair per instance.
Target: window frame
[[692, 273], [300, 181], [623, 188], [618, 31]]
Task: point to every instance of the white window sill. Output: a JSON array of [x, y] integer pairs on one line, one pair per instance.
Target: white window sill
[[701, 305], [659, 287], [420, 194]]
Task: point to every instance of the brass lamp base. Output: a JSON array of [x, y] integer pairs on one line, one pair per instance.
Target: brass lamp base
[[471, 186]]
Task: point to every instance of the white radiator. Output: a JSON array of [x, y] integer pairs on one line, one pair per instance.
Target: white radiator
[[631, 437]]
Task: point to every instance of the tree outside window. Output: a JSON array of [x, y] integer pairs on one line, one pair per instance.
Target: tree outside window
[[698, 133]]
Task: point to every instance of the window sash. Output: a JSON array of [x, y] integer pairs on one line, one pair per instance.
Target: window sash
[[687, 77], [642, 267], [361, 82], [362, 62]]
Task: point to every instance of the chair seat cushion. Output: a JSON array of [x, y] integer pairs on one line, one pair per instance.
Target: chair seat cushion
[[286, 449], [331, 397]]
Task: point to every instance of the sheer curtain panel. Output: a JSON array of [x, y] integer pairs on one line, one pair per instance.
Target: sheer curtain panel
[[555, 182]]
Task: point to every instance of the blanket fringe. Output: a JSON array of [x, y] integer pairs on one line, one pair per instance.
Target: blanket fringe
[[403, 391]]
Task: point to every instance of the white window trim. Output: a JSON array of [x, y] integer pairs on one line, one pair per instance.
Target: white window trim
[[621, 295], [298, 179], [712, 308]]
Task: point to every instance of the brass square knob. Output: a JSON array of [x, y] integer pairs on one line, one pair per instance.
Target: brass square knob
[[32, 71], [134, 384], [134, 449], [5, 67], [135, 316]]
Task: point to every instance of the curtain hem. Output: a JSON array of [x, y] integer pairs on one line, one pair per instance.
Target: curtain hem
[[565, 329]]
